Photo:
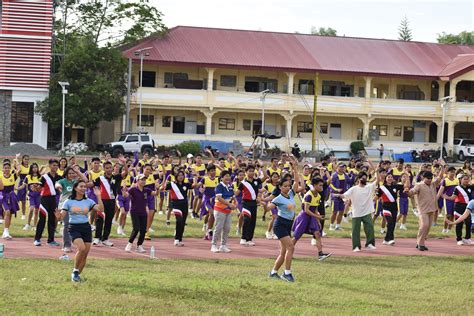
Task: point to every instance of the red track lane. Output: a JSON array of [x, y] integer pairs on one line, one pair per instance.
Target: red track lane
[[200, 249]]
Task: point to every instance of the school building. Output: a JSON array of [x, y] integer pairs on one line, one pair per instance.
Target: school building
[[206, 84]]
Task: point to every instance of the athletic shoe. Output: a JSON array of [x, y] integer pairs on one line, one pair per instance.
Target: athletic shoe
[[273, 275], [460, 243], [244, 242], [331, 227], [108, 243], [443, 231], [92, 227], [140, 249], [370, 247], [26, 227], [214, 249], [67, 249], [178, 243], [385, 242], [345, 219], [382, 231], [422, 248], [75, 277], [324, 256], [96, 241], [64, 257], [6, 235], [440, 215], [168, 222], [53, 243], [268, 235], [324, 234], [114, 222], [338, 227], [391, 242], [287, 277], [356, 249], [37, 243], [147, 236], [224, 249], [275, 237], [403, 227], [23, 217], [128, 247], [415, 212], [250, 243], [467, 241], [151, 230], [120, 231], [313, 242], [160, 213]]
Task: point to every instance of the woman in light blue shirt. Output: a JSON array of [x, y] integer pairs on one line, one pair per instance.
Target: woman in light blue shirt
[[78, 207], [286, 205]]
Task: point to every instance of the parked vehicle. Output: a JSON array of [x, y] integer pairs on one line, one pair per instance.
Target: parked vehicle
[[463, 149], [129, 143]]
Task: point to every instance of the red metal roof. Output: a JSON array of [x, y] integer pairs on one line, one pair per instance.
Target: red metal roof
[[299, 52], [459, 65]]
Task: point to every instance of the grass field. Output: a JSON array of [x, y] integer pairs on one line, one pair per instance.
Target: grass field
[[341, 285]]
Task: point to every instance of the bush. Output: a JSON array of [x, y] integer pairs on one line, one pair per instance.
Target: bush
[[188, 148], [74, 149], [356, 147]]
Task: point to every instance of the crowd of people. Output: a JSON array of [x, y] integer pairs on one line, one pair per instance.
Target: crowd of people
[[88, 199]]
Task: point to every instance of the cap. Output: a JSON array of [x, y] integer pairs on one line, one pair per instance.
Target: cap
[[141, 176], [189, 156]]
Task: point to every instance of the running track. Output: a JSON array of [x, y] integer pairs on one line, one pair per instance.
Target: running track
[[200, 249]]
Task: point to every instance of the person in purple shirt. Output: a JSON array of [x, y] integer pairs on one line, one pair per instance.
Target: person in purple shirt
[[138, 194], [338, 186]]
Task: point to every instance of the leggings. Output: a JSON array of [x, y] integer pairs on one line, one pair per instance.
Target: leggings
[[106, 224], [391, 218], [139, 226], [468, 223], [249, 209], [181, 215], [322, 212], [47, 208]]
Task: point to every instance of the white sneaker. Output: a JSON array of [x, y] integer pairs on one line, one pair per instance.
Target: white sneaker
[[95, 241], [108, 243], [140, 249], [467, 241], [403, 227], [120, 231], [443, 231], [324, 234], [151, 230], [224, 249], [214, 249], [415, 212], [114, 222], [391, 242], [385, 242], [460, 243], [23, 217], [370, 247], [331, 227], [313, 242], [250, 243], [268, 235], [382, 231], [356, 249], [345, 219], [26, 227], [274, 237], [160, 213], [6, 235], [92, 227], [338, 227], [440, 215], [128, 247], [244, 242], [37, 243], [67, 249], [178, 243]]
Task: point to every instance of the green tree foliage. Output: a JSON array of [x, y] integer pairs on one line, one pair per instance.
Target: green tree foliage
[[323, 31], [97, 86], [404, 31], [463, 38]]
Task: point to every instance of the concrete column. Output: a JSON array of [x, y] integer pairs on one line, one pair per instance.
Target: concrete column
[[392, 89], [451, 126], [366, 120], [442, 86], [5, 117], [452, 89], [210, 78], [291, 78], [439, 134], [209, 115], [368, 87]]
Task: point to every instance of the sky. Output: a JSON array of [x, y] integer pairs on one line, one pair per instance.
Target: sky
[[368, 18]]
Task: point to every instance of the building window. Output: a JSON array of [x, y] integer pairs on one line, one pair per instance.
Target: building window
[[227, 124], [304, 127], [166, 121], [170, 77], [259, 84], [323, 128], [22, 122], [397, 131], [306, 86], [147, 120], [383, 129], [360, 133], [228, 81], [247, 125], [149, 79]]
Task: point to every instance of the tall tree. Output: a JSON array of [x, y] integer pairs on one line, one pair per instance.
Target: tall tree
[[323, 31], [404, 31], [463, 38], [97, 86]]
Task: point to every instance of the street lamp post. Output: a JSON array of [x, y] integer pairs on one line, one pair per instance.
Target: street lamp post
[[64, 85], [444, 105], [264, 94], [141, 53]]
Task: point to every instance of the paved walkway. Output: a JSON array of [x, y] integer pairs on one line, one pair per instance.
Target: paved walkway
[[200, 249]]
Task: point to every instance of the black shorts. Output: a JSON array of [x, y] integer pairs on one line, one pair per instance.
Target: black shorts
[[82, 231], [282, 227]]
